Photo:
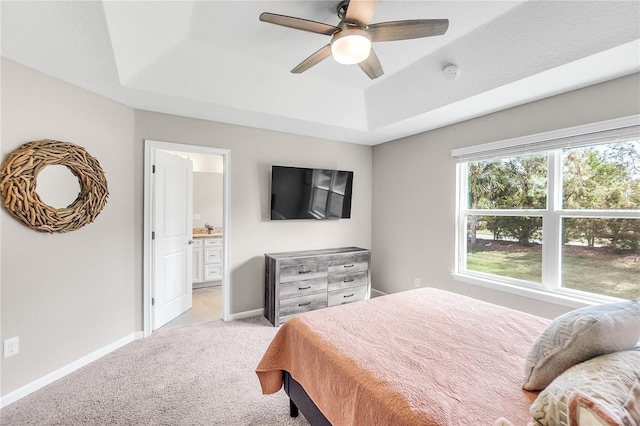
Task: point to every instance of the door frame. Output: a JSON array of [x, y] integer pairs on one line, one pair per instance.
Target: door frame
[[150, 148]]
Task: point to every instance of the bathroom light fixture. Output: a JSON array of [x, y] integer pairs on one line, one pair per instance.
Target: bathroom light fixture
[[351, 46]]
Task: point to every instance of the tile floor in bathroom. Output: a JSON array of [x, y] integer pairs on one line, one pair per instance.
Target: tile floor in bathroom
[[206, 307]]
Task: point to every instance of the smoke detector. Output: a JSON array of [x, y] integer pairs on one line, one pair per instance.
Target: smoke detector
[[450, 72]]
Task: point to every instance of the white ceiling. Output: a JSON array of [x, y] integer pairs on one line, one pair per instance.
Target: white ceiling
[[215, 60]]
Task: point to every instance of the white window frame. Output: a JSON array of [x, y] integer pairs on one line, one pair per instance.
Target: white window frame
[[552, 144]]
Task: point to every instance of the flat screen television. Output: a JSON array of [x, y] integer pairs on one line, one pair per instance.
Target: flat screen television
[[302, 193]]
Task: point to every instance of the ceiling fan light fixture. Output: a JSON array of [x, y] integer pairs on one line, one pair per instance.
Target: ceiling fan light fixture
[[351, 46], [351, 38]]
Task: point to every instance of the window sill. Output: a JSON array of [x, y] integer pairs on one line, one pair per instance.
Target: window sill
[[549, 296]]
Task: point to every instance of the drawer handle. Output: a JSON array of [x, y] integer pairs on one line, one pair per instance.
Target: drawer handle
[[350, 280], [349, 266], [304, 272], [304, 304], [304, 288], [348, 295]]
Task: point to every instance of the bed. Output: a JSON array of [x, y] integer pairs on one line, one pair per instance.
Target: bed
[[420, 357]]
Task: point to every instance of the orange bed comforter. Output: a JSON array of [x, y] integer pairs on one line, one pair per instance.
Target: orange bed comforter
[[420, 357]]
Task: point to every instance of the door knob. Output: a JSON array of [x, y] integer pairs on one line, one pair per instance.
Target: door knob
[[190, 241]]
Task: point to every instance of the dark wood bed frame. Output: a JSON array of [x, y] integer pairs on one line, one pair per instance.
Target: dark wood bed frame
[[298, 399]]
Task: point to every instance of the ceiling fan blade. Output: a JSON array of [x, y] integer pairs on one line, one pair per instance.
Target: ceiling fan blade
[[298, 23], [371, 66], [360, 12], [404, 30], [322, 54]]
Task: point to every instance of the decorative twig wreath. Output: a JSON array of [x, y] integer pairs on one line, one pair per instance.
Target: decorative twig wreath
[[19, 172]]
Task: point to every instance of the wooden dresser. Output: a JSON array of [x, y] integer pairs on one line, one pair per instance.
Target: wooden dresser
[[302, 281]]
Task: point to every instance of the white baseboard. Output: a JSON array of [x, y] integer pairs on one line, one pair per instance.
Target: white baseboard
[[25, 390], [246, 314], [376, 293]]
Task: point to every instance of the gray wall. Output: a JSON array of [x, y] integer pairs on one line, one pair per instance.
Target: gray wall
[[253, 152], [67, 295], [414, 183]]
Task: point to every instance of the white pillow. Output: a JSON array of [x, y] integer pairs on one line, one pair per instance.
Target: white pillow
[[578, 336], [601, 391]]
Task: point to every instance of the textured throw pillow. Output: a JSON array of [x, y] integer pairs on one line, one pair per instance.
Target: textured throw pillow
[[632, 405], [601, 391], [578, 336]]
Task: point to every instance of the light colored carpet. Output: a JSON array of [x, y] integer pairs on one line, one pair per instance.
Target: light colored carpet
[[199, 374]]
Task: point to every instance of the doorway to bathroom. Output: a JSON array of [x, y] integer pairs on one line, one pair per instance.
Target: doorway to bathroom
[[186, 235]]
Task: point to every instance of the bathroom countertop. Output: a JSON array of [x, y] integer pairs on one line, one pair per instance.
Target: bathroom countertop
[[214, 235], [215, 232]]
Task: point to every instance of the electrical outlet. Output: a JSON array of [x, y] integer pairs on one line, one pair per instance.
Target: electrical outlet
[[416, 281], [196, 216], [11, 347]]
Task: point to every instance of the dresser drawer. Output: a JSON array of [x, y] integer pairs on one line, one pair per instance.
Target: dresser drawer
[[197, 242], [348, 259], [297, 305], [212, 255], [337, 282], [303, 288], [348, 295], [302, 271], [349, 264]]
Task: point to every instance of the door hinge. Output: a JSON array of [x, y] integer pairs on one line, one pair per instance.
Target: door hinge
[[153, 168], [153, 235], [153, 301]]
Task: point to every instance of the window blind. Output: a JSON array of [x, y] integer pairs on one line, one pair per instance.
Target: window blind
[[613, 131]]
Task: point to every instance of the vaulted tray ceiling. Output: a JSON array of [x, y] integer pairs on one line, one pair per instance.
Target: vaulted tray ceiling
[[215, 60]]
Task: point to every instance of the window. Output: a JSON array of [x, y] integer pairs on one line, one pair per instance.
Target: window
[[554, 213]]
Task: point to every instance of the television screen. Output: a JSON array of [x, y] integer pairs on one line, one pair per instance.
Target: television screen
[[300, 193]]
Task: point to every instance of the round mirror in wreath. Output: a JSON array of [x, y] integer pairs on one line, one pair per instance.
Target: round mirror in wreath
[[18, 181], [57, 186]]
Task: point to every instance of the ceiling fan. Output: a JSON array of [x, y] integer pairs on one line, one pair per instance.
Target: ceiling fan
[[351, 39]]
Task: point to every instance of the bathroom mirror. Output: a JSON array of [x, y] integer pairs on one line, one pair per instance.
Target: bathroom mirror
[[57, 186]]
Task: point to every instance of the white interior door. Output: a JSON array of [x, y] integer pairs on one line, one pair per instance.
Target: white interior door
[[173, 228]]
